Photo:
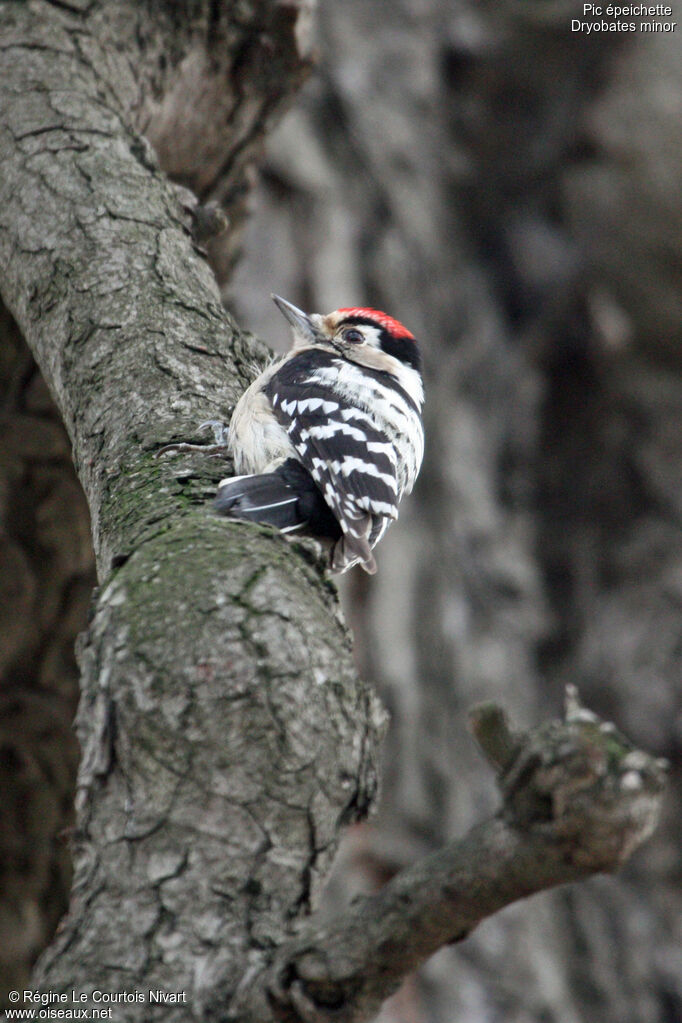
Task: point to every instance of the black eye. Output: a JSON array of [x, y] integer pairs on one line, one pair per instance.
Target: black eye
[[353, 336]]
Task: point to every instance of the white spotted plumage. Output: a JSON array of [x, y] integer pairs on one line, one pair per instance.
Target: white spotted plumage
[[345, 406]]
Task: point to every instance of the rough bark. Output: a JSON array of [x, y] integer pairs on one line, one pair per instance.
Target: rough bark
[[204, 637], [225, 735]]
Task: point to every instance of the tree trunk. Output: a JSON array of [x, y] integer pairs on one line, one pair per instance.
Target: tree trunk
[[199, 648]]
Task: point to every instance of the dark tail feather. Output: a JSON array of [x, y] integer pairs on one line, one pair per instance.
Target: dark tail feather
[[288, 499], [260, 499]]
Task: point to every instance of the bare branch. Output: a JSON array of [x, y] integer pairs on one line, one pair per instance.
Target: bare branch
[[577, 800]]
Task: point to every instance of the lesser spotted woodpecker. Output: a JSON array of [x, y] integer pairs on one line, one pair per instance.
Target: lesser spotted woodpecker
[[328, 439]]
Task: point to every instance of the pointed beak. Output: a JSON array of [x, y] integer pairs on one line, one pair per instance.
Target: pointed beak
[[300, 321]]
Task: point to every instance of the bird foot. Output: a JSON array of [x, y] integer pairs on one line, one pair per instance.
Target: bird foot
[[218, 449]]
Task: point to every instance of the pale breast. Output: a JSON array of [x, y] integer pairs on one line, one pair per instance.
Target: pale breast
[[257, 442]]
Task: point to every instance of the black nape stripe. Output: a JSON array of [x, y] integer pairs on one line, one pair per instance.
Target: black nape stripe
[[405, 349]]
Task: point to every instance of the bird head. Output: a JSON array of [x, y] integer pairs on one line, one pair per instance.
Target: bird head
[[354, 333]]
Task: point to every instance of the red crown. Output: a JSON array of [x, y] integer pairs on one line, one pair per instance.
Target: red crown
[[394, 327]]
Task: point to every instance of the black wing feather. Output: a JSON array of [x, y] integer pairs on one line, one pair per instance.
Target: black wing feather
[[350, 459]]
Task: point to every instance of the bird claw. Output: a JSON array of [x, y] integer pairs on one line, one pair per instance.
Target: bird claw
[[220, 431], [217, 449]]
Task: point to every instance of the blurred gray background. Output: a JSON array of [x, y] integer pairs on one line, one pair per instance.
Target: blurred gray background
[[511, 190]]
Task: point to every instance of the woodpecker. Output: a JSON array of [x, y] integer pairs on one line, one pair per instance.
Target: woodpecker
[[328, 439]]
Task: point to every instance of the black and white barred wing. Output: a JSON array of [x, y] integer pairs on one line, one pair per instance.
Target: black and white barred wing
[[351, 460]]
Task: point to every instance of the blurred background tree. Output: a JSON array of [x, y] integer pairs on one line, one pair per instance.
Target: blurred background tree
[[511, 191]]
